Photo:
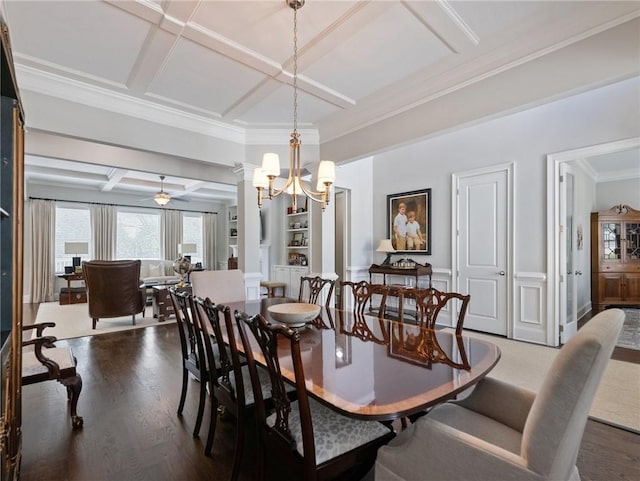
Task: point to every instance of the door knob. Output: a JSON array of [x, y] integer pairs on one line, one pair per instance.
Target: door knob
[[502, 273], [578, 273]]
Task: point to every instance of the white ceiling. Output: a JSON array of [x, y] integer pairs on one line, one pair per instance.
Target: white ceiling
[[360, 63]]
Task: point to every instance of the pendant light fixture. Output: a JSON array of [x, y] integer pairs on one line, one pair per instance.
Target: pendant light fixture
[[162, 198], [263, 178]]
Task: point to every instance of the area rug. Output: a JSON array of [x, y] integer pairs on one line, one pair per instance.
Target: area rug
[[630, 335], [617, 400], [73, 320]]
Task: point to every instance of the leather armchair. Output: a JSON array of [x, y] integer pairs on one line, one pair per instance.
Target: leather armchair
[[114, 289], [504, 432]]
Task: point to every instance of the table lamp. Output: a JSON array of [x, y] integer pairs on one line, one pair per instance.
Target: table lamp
[[76, 248], [386, 246]]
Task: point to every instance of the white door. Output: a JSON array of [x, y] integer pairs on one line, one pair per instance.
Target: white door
[[482, 246], [568, 247]]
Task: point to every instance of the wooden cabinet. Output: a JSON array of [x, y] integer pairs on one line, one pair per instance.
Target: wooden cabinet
[[162, 305], [291, 276], [11, 263], [615, 257]]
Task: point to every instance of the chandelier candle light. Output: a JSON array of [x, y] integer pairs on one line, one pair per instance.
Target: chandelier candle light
[[264, 177]]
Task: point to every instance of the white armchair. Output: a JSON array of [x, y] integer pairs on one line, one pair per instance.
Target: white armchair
[[504, 432], [221, 286]]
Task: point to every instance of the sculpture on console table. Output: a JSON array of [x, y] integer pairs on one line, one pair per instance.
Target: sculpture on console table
[[182, 265]]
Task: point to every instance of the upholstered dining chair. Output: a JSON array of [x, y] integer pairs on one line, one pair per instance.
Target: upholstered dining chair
[[114, 289], [311, 288], [223, 286], [501, 431], [304, 435], [194, 361], [43, 361], [231, 386]]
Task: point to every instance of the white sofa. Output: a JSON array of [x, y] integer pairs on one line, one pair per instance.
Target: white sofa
[[157, 271]]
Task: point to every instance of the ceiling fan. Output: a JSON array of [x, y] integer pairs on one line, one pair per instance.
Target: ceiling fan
[[162, 198]]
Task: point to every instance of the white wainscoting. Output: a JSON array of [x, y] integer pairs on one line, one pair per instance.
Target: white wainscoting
[[530, 307]]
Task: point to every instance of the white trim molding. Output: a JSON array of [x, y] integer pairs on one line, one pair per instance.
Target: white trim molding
[[553, 222]]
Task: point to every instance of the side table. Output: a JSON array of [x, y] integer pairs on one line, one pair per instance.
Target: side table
[[72, 295], [162, 305]]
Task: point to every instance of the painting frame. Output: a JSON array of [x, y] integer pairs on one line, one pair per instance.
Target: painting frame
[[417, 202]]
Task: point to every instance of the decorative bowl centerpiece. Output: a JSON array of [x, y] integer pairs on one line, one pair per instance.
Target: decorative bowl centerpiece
[[294, 314]]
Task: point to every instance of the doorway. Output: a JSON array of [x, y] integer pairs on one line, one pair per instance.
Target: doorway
[[556, 243]]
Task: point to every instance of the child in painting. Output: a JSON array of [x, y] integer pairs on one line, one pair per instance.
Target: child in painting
[[414, 236], [400, 227]]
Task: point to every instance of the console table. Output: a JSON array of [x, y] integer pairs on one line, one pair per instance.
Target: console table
[[420, 270]]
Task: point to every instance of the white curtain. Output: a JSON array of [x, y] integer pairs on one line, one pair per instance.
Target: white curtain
[[103, 231], [209, 222], [171, 227], [42, 219]]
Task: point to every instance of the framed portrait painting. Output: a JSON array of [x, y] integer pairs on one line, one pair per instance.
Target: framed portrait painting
[[409, 221]]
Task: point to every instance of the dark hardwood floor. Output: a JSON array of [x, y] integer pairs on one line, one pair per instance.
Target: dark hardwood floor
[[132, 433]]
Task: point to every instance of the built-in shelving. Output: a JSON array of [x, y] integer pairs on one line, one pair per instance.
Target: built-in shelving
[[298, 237]]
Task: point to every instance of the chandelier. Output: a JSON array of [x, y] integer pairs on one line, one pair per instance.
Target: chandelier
[[264, 176]]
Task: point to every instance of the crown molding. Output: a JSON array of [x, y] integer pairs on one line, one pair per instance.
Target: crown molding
[[75, 91]]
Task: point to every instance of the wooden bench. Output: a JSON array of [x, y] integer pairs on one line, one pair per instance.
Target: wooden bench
[[271, 287]]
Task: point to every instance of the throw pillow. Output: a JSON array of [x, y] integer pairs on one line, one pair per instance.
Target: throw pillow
[[156, 270]]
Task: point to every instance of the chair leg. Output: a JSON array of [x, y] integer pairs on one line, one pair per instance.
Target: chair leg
[[237, 457], [133, 319], [183, 394], [260, 459], [212, 426], [95, 321], [203, 393], [74, 386]]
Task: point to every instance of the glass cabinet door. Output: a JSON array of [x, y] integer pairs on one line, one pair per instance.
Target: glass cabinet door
[[632, 244], [611, 241]]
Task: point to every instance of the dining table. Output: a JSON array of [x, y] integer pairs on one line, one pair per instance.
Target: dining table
[[373, 368]]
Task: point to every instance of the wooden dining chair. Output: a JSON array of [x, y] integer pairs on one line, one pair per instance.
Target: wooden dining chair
[[43, 361], [309, 438], [231, 387], [311, 288], [431, 301], [194, 360], [362, 293]]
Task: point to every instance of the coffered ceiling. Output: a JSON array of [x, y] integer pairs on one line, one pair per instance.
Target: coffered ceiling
[[365, 67]]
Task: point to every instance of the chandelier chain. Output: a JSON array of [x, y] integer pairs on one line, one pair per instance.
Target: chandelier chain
[[264, 177], [295, 69]]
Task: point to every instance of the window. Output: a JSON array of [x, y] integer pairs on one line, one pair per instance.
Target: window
[[73, 224], [138, 235], [192, 233]]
